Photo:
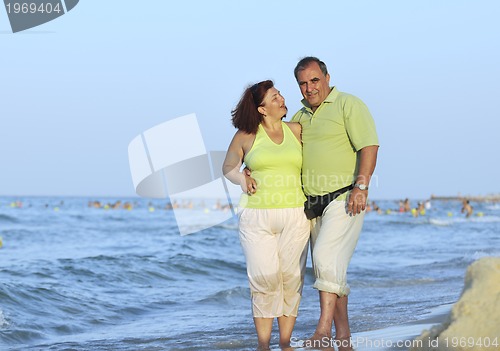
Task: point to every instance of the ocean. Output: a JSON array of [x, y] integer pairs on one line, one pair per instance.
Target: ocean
[[77, 277]]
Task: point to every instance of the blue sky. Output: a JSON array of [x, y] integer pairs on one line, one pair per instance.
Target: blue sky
[[75, 91]]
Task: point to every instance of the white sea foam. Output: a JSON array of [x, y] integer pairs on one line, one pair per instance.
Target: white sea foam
[[440, 222], [3, 322], [451, 221]]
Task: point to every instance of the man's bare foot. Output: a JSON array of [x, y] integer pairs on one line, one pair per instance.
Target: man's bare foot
[[320, 336], [286, 346], [319, 341], [344, 344]]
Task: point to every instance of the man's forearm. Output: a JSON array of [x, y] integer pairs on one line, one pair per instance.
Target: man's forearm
[[367, 163]]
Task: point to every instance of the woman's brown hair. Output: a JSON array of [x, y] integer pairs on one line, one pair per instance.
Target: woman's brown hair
[[245, 116]]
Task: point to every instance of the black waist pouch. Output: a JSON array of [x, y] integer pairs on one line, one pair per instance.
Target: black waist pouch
[[315, 205]]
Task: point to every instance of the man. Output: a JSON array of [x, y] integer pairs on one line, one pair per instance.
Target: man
[[340, 146], [466, 208]]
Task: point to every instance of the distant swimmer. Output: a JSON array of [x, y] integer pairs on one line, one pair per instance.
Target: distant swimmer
[[368, 207], [376, 208], [401, 206], [17, 204], [428, 204], [421, 208], [95, 204], [419, 211], [466, 208], [406, 205], [116, 205]]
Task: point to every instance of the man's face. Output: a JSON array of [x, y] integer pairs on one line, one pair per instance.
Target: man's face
[[314, 86]]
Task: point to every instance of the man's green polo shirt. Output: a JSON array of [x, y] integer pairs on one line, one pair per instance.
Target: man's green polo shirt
[[331, 136]]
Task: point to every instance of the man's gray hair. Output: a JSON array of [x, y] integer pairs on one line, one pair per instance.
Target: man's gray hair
[[306, 61]]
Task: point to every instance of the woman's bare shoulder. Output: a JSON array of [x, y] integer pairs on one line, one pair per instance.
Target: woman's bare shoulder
[[296, 128]]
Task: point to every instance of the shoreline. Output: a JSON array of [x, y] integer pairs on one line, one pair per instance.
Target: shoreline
[[398, 337]]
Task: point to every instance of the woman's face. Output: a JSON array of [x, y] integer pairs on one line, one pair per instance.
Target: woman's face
[[273, 104]]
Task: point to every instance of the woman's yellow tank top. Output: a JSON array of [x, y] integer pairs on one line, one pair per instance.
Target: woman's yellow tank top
[[276, 169]]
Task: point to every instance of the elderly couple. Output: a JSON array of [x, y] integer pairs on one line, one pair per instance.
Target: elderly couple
[[328, 152]]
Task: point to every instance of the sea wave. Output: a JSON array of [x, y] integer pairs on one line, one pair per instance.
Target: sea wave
[[383, 283], [7, 219], [228, 296], [441, 222], [188, 264], [459, 221], [85, 279]]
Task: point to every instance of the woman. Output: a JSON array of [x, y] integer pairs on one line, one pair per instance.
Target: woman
[[274, 231]]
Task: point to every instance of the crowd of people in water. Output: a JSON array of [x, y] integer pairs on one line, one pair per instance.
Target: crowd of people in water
[[130, 205], [186, 204], [421, 208], [404, 206]]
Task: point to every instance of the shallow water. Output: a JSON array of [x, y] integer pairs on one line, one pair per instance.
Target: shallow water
[[74, 277]]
